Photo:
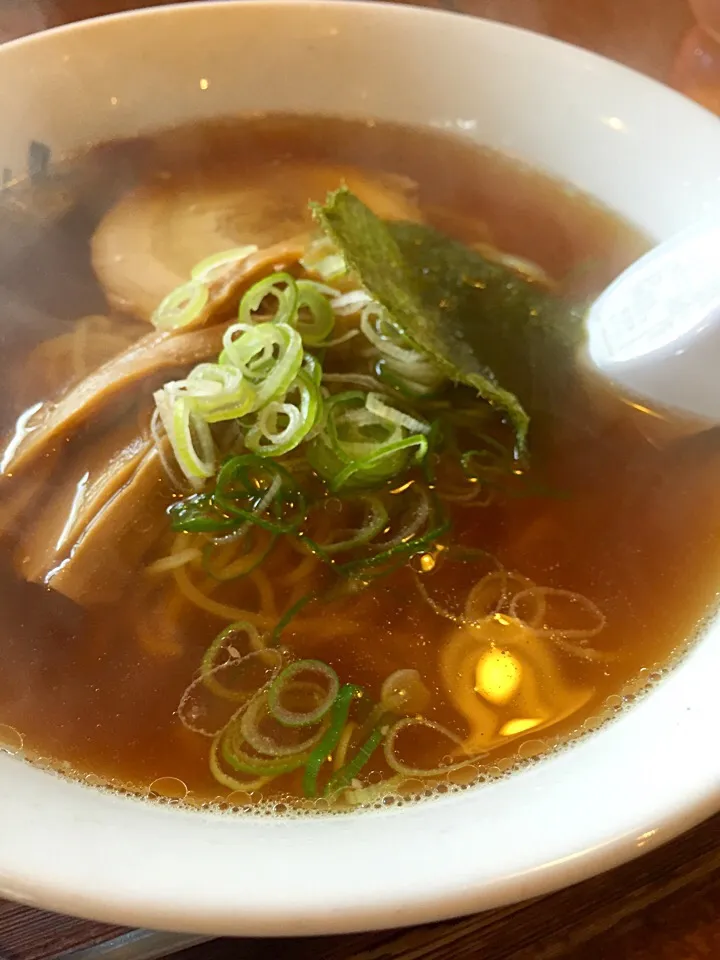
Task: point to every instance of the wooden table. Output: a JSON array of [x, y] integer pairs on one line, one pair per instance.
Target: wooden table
[[665, 906]]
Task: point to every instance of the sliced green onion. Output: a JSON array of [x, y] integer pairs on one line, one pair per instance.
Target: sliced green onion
[[403, 692], [181, 307], [189, 436], [219, 265], [347, 773], [236, 757], [261, 491], [398, 553], [198, 513], [405, 543], [210, 394], [269, 356], [268, 437], [209, 666], [332, 267], [350, 432], [258, 711], [289, 614], [419, 513], [188, 711], [384, 463], [322, 457], [358, 380], [375, 521], [402, 365], [282, 288], [347, 304], [249, 786], [325, 748], [225, 636], [323, 258], [216, 392], [425, 524], [376, 404], [295, 718], [407, 388], [314, 319], [336, 408], [399, 767], [192, 442], [383, 334], [312, 366], [360, 446], [352, 429]]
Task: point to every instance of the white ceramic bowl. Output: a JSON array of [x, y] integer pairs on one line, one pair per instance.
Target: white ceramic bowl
[[640, 148]]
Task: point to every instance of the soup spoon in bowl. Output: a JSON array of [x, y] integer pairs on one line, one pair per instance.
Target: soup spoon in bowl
[[654, 333]]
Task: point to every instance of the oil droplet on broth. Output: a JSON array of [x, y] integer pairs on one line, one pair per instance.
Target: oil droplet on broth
[[172, 788]]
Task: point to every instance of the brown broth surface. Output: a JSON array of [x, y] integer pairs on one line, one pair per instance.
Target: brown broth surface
[[633, 525]]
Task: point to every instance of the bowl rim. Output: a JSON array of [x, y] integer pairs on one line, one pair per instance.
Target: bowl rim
[[615, 846], [387, 7]]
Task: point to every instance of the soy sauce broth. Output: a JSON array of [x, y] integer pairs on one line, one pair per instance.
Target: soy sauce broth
[[632, 525]]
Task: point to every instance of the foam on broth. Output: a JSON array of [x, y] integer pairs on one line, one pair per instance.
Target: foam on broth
[[633, 526]]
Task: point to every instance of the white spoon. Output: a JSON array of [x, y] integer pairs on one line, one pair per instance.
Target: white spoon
[[654, 333]]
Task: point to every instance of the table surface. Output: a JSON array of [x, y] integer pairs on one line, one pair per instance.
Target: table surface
[[665, 906]]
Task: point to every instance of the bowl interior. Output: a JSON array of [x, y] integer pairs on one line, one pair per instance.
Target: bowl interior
[[639, 148]]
